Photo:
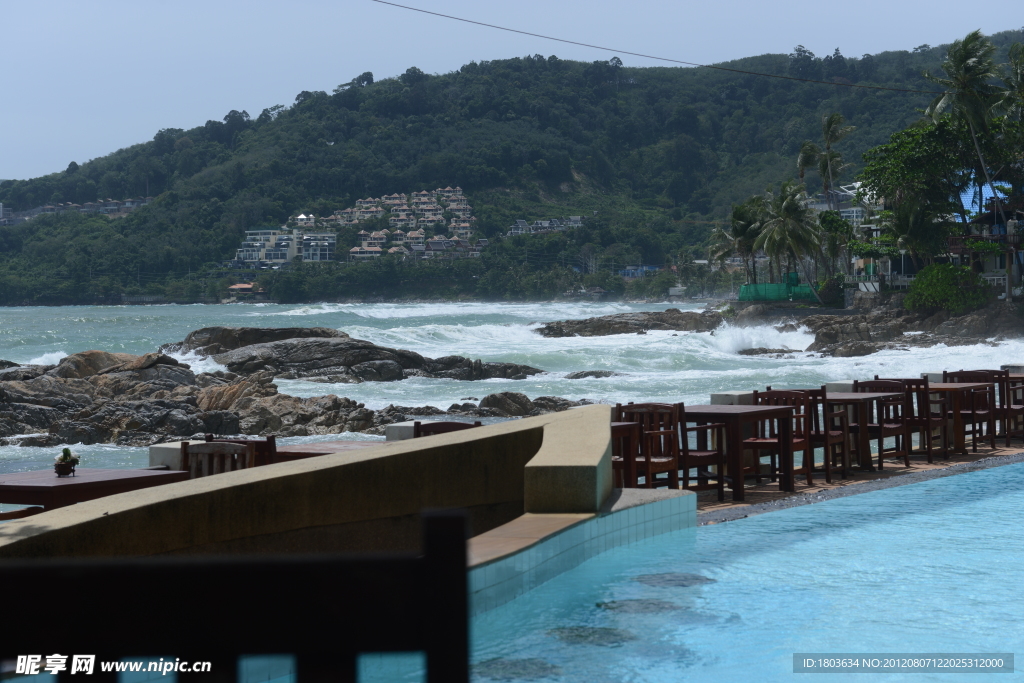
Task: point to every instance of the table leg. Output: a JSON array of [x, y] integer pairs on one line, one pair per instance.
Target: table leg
[[735, 449], [959, 438], [632, 447], [863, 438], [786, 481]]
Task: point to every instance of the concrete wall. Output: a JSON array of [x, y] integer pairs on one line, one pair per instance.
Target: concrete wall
[[366, 500]]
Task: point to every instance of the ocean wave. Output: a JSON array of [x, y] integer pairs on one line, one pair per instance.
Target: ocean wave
[[198, 364], [732, 339], [51, 358]]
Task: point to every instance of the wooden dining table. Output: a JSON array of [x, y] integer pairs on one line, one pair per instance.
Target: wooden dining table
[[734, 418], [861, 403], [45, 488], [957, 393]]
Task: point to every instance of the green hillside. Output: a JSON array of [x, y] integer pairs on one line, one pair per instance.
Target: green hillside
[[655, 152]]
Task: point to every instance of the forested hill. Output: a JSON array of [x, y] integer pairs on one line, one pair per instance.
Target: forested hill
[[532, 137]]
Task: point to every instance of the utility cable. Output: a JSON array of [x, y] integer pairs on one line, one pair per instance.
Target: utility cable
[[662, 59]]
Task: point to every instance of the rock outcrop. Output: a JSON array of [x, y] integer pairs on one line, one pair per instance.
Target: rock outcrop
[[593, 374], [896, 328], [100, 397], [209, 341], [633, 323], [346, 360]]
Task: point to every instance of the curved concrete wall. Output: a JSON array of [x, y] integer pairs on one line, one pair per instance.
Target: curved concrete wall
[[367, 500]]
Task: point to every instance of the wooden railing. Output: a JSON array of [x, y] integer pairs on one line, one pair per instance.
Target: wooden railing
[[324, 610]]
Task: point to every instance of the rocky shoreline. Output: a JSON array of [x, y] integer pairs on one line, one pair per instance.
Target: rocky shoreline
[[885, 325], [99, 397]]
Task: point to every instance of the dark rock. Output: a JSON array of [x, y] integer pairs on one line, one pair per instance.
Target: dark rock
[[4, 364], [641, 606], [213, 340], [596, 374], [591, 635], [673, 580], [761, 351], [516, 669], [336, 360], [379, 371], [88, 363], [555, 404], [632, 323], [21, 373], [511, 403]]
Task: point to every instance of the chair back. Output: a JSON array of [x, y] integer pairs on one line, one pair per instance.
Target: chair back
[[919, 401], [204, 459], [652, 417], [659, 427], [983, 399], [1001, 380], [888, 410], [431, 428], [266, 449], [775, 397]]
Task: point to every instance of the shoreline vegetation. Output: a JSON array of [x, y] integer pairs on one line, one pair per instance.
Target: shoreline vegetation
[[655, 159]]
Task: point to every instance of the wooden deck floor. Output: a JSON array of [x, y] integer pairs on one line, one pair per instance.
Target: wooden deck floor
[[766, 492]]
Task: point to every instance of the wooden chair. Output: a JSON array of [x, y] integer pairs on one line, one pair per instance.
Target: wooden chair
[[431, 428], [625, 450], [980, 409], [1009, 403], [204, 459], [704, 456], [886, 418], [924, 414], [266, 449], [767, 436], [659, 441], [829, 429]]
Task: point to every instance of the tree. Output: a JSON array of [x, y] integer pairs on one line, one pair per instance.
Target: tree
[[833, 131], [789, 227], [1011, 99], [828, 162], [835, 234], [970, 93], [740, 236]]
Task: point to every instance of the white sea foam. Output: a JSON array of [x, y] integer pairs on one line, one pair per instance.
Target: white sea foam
[[51, 358], [197, 363], [732, 339]]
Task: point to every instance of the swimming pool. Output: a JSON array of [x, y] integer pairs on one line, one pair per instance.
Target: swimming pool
[[928, 567]]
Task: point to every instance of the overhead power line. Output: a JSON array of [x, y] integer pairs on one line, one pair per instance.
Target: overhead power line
[[661, 59]]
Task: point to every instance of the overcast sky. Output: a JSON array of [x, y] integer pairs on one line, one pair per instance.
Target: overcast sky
[[82, 79]]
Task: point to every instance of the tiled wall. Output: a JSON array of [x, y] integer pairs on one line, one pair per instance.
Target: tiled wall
[[504, 579]]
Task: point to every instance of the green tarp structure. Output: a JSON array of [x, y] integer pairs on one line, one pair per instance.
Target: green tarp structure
[[790, 290]]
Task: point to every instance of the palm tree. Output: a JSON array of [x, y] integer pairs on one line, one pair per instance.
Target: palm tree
[[832, 132], [740, 236], [1011, 101], [788, 227], [828, 162], [970, 94]]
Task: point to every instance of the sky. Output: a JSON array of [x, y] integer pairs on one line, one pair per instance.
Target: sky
[[79, 80]]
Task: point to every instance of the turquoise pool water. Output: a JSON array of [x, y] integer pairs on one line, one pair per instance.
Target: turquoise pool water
[[928, 567]]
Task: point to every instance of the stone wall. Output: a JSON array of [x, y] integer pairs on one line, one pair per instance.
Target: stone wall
[[361, 501]]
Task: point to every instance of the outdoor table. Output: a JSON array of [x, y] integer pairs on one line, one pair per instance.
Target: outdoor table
[[734, 418], [861, 402], [631, 431], [44, 487], [956, 391]]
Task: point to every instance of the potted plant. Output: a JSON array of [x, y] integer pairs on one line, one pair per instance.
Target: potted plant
[[64, 464]]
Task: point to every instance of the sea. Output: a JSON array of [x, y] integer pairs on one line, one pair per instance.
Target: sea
[[656, 366]]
